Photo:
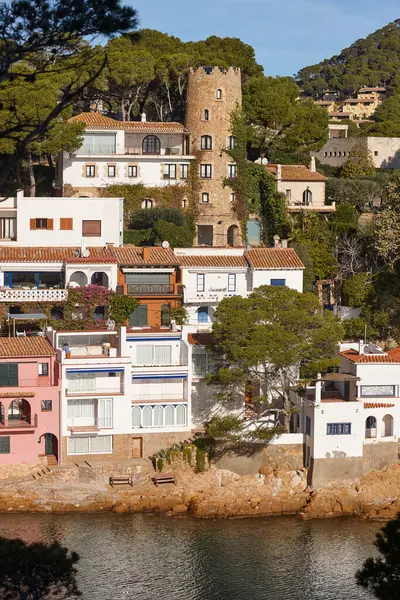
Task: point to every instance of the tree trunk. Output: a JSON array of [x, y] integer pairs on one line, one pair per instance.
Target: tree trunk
[[51, 165], [123, 113], [32, 179], [18, 174]]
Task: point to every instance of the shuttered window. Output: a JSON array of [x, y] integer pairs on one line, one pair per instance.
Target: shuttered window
[[66, 224], [147, 278], [41, 223], [139, 316], [4, 444], [91, 228], [8, 374]]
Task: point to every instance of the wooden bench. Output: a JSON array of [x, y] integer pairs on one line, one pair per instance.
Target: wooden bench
[[164, 478], [121, 480]]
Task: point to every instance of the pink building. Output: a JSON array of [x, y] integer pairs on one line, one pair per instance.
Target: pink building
[[29, 401]]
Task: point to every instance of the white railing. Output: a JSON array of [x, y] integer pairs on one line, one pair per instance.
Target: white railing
[[210, 295], [38, 295]]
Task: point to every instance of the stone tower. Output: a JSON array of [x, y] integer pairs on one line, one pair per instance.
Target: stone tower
[[213, 94]]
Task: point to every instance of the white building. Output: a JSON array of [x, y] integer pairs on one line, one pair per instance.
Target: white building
[[48, 221], [211, 274], [352, 418], [385, 151], [116, 152], [303, 187]]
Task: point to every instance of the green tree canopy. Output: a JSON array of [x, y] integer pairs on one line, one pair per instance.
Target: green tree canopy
[[359, 163]]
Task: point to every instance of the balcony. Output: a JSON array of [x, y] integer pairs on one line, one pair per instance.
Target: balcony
[[150, 289], [32, 295], [22, 423], [81, 425]]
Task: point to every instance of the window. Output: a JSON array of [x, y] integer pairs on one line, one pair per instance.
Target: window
[[308, 426], [147, 203], [218, 94], [184, 202], [206, 142], [8, 374], [101, 444], [8, 228], [136, 413], [90, 170], [325, 154], [4, 444], [159, 416], [91, 228], [132, 171], [205, 197], [154, 355], [43, 369], [66, 224], [231, 142], [205, 171], [232, 197], [202, 314], [232, 171], [231, 282], [111, 170], [201, 282], [278, 282], [378, 390], [338, 429], [98, 143], [307, 197], [184, 171], [139, 316], [169, 171], [151, 145], [41, 223], [199, 365], [205, 235], [46, 405], [376, 153], [288, 195], [206, 115]]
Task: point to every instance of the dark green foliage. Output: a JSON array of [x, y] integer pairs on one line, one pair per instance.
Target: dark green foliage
[[360, 193], [381, 575], [121, 307], [178, 237], [37, 571], [356, 289], [372, 61], [200, 460], [308, 274], [142, 237], [344, 219], [224, 427], [152, 226], [355, 329], [160, 464], [147, 218]]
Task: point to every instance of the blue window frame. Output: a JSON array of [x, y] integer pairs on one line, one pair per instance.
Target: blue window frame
[[202, 314], [338, 429], [278, 282]]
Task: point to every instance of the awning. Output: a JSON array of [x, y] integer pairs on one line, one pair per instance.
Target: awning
[[154, 339], [166, 376], [94, 371], [27, 317], [338, 377]]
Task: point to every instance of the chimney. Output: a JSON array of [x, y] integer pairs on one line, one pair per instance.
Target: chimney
[[361, 347], [143, 117], [284, 243], [279, 172], [313, 167], [146, 253]]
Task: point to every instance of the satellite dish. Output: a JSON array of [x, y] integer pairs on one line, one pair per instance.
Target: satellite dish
[[85, 252], [264, 161], [165, 244]]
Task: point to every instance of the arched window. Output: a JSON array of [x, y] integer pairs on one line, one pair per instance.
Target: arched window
[[78, 279], [206, 115], [169, 415], [181, 415], [136, 412], [158, 416], [206, 142], [184, 202], [218, 94], [151, 145], [205, 197], [147, 203], [307, 197], [202, 314], [370, 427], [100, 278], [232, 235], [231, 142], [19, 410], [232, 197], [387, 426], [147, 416]]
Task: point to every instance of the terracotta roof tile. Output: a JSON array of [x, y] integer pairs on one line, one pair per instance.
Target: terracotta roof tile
[[371, 89], [377, 405], [133, 255], [273, 258], [200, 339], [25, 346], [17, 394], [52, 254], [95, 120], [393, 356], [296, 173], [218, 261]]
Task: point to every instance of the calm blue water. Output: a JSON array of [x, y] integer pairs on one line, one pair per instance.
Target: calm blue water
[[154, 558]]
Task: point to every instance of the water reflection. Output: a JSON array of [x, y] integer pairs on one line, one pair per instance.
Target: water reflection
[[126, 557]]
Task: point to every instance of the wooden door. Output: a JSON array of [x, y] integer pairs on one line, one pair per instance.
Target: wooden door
[[137, 447], [48, 444]]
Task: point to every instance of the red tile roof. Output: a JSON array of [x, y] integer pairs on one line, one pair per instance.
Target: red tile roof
[[296, 173], [273, 258], [393, 356], [205, 260], [51, 254], [95, 120], [133, 255], [377, 405], [25, 346], [200, 339]]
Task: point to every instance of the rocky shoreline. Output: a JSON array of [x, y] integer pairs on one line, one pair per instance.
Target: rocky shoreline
[[215, 493]]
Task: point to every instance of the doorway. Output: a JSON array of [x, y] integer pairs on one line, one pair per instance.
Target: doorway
[[137, 447]]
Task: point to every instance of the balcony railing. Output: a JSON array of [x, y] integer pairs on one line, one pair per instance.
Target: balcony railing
[[103, 391], [94, 424], [30, 422], [32, 295], [150, 289]]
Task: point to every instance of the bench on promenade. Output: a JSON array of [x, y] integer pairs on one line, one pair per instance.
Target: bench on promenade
[[164, 478], [121, 480]]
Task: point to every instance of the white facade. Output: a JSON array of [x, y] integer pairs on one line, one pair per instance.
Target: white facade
[[61, 222]]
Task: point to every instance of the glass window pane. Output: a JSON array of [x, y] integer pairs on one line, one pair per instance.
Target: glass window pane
[[162, 355], [136, 412], [169, 415], [101, 443], [181, 415], [158, 416], [144, 355], [147, 416]]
